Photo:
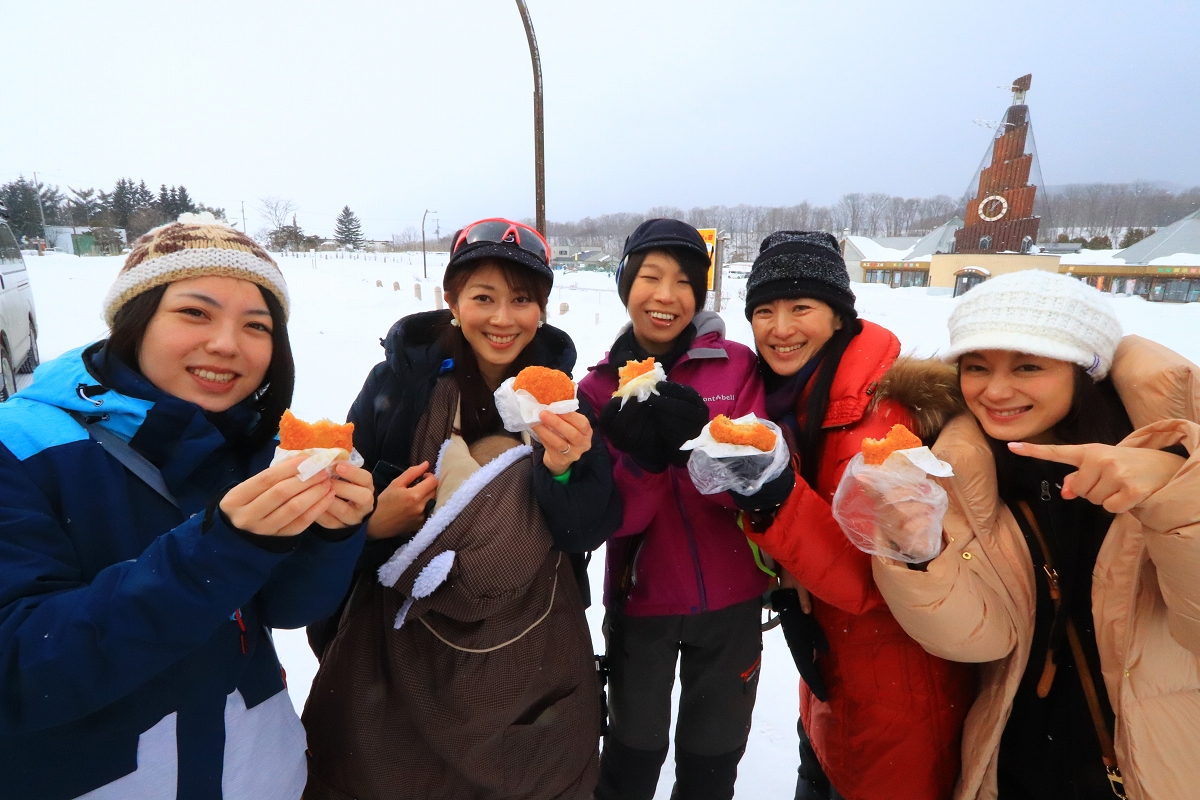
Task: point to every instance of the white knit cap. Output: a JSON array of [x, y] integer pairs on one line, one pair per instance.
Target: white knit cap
[[1039, 313], [195, 246]]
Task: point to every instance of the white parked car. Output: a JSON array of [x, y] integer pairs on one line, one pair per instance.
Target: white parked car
[[18, 320]]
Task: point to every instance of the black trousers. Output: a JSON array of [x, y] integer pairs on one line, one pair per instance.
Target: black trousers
[[719, 654]]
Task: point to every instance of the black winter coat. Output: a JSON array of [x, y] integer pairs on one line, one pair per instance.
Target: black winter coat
[[580, 514]]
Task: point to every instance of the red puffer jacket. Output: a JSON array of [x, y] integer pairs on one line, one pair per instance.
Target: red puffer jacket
[[892, 727]]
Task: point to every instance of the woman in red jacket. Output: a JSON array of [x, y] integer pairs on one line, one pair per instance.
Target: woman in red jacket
[[891, 724]]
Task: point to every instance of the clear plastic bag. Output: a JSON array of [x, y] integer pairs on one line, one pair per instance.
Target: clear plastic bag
[[721, 467], [894, 509]]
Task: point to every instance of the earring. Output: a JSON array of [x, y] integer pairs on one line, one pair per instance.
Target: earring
[[454, 321], [541, 322]]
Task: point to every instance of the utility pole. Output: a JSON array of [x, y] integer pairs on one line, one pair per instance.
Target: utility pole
[[37, 187], [539, 169], [424, 265], [718, 261], [244, 219]]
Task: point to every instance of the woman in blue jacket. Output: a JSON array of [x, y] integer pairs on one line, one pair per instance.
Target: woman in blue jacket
[[137, 589]]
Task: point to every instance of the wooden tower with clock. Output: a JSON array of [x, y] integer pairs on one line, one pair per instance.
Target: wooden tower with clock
[[1000, 216]]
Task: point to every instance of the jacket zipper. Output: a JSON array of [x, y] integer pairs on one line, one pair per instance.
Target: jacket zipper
[[691, 538]]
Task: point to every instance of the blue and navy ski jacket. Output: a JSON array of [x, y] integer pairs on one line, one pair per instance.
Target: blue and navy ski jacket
[[135, 653]]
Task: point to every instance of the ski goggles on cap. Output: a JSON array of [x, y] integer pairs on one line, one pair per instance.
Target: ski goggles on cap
[[503, 231]]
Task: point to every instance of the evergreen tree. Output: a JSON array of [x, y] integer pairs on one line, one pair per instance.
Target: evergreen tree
[[20, 198], [348, 231], [183, 201]]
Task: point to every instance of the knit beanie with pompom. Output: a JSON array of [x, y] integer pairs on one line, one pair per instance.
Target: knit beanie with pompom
[[1040, 314]]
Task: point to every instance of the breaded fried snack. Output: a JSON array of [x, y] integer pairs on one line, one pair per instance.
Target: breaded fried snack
[[876, 451], [546, 385], [754, 434], [296, 434], [633, 369]]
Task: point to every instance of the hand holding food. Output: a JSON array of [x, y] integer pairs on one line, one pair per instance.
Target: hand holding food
[[887, 502], [324, 444], [522, 399], [277, 502], [737, 455], [566, 438]]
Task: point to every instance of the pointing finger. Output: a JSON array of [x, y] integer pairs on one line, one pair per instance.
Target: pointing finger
[[1062, 453]]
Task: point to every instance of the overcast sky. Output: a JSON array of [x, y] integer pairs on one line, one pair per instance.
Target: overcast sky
[[393, 107]]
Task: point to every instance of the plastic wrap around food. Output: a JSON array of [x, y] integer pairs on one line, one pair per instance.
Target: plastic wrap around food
[[520, 410], [319, 459], [895, 509], [642, 386], [722, 467]]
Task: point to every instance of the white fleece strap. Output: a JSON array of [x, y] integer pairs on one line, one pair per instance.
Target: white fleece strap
[[403, 558]]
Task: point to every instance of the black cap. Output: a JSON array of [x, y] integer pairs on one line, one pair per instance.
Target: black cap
[[507, 251], [800, 264], [677, 238]]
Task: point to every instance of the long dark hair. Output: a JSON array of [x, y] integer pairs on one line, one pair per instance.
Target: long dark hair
[[272, 396], [478, 414], [812, 437], [1096, 415]]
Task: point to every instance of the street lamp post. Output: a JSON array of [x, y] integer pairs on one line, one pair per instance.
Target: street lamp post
[[424, 266], [539, 168]]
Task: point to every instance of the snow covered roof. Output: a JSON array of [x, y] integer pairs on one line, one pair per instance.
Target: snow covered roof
[[870, 250], [1092, 258], [938, 240], [1178, 237]]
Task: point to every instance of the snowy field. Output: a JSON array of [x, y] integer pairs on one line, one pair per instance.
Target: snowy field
[[339, 314]]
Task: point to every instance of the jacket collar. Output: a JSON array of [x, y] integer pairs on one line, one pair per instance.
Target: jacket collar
[[413, 351], [707, 342], [866, 360]]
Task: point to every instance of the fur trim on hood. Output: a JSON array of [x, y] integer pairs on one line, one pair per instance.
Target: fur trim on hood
[[928, 388]]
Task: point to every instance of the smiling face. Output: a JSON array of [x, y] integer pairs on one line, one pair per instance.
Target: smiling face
[[789, 332], [1017, 397], [209, 342], [496, 319], [661, 302]]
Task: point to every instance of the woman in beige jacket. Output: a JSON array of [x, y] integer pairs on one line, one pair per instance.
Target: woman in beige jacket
[[1070, 568]]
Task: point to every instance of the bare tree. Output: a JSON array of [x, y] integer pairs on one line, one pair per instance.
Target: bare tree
[[276, 211]]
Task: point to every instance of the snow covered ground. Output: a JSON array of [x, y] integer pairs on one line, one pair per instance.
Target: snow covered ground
[[342, 306]]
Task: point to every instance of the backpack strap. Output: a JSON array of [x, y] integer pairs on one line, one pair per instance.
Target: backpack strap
[[131, 459]]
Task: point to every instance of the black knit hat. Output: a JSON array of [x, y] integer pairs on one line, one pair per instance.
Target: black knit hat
[[468, 253], [800, 264], [679, 239]]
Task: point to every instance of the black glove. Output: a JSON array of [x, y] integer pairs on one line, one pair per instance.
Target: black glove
[[804, 638], [632, 430], [679, 416], [770, 496], [651, 431]]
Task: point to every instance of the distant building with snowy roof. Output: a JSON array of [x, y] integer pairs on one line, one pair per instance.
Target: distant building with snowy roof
[[898, 261], [1164, 266]]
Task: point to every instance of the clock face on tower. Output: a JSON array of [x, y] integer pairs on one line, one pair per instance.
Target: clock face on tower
[[992, 208]]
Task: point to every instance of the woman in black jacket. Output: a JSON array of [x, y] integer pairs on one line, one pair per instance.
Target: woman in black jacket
[[464, 668]]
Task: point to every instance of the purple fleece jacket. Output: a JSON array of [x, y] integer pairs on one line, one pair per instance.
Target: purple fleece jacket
[[694, 557]]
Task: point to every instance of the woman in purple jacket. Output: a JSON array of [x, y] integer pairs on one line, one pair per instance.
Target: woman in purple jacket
[[681, 578]]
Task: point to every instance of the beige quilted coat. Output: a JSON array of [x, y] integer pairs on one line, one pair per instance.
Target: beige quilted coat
[[976, 601]]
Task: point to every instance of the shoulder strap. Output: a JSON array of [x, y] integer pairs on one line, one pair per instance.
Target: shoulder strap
[[1107, 751], [131, 459]]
